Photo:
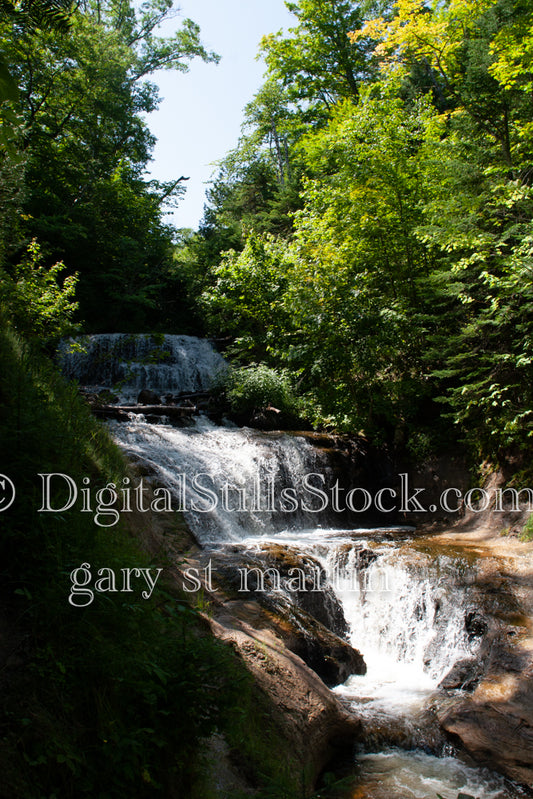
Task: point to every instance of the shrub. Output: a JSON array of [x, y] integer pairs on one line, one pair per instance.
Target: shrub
[[38, 303], [255, 387]]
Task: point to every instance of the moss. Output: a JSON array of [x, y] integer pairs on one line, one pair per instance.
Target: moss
[[262, 753], [527, 530]]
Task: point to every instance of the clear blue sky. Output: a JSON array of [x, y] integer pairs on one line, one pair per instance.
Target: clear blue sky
[[199, 119]]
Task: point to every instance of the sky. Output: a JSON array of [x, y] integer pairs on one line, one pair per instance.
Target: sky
[[199, 119]]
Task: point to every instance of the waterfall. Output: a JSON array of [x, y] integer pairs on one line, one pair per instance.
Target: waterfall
[[125, 364], [404, 610], [408, 613], [407, 609], [232, 482]]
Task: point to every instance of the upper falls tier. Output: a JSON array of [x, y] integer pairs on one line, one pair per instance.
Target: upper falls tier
[[128, 363]]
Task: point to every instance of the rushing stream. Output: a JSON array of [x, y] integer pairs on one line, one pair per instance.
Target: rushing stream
[[405, 610]]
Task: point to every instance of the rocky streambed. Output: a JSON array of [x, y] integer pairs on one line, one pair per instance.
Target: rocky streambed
[[437, 693], [410, 654], [489, 707]]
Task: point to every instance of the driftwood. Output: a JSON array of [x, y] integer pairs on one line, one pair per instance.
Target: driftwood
[[121, 412], [193, 395]]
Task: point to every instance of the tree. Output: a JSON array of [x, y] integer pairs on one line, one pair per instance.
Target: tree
[[29, 15], [477, 224], [459, 40], [405, 282], [356, 284], [245, 299], [335, 304], [257, 186], [83, 94], [317, 64], [269, 118]]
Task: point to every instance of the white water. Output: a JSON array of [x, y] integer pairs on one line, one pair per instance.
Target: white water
[[125, 364], [397, 774], [410, 613], [406, 614], [246, 472]]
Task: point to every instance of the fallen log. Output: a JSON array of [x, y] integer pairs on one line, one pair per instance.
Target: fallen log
[[121, 412], [191, 395]]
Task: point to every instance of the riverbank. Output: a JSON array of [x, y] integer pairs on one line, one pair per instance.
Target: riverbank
[[494, 719]]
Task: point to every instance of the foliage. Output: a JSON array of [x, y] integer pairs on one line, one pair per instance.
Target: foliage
[[400, 295], [246, 296], [459, 39], [29, 15], [38, 305], [83, 95], [459, 796], [317, 63], [257, 387], [11, 192], [358, 261], [333, 304], [109, 699]]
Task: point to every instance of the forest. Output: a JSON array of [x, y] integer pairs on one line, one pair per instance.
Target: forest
[[365, 259], [368, 239]]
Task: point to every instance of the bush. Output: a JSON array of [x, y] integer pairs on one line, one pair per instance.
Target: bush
[[37, 302], [253, 388]]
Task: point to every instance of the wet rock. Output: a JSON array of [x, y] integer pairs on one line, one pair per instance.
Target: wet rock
[[179, 416], [475, 625], [148, 397], [306, 581], [324, 606], [495, 722], [100, 398], [355, 557], [497, 734], [332, 658], [280, 568], [265, 578], [305, 713], [464, 675], [266, 419]]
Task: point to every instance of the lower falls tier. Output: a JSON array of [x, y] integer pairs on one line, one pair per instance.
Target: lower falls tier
[[416, 616]]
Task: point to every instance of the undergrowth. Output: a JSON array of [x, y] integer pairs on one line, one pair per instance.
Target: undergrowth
[[113, 699], [527, 530]]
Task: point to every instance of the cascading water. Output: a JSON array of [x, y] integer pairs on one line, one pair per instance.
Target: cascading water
[[406, 612], [424, 626], [125, 363], [410, 612], [230, 482]]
